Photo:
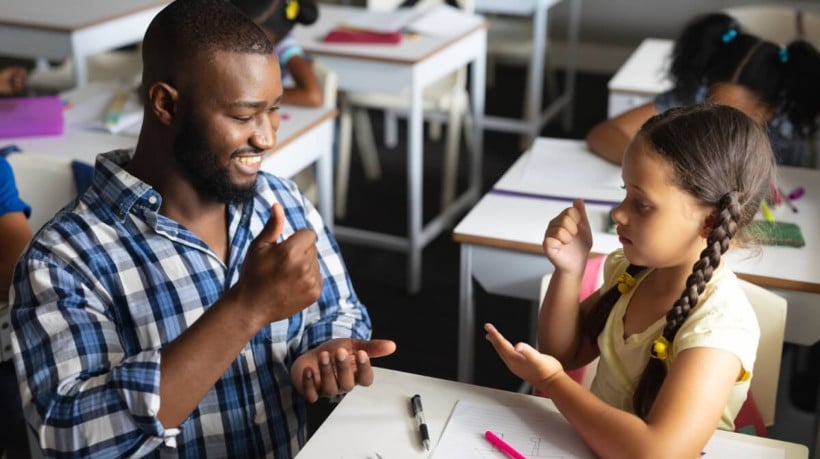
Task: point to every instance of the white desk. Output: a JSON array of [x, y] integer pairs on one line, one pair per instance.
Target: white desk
[[642, 77], [507, 259], [413, 64], [376, 422], [537, 116], [56, 29], [305, 137]]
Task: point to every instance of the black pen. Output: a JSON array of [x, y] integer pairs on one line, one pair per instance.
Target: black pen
[[415, 401]]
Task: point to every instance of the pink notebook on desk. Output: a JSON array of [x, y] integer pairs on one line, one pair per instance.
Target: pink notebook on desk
[[345, 35], [31, 116]]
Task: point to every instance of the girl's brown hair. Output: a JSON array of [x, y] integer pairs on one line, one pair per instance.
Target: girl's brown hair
[[723, 159]]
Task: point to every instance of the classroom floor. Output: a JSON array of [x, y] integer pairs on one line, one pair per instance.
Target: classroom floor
[[425, 325]]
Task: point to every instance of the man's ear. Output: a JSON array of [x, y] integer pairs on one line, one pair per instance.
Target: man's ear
[[163, 99]]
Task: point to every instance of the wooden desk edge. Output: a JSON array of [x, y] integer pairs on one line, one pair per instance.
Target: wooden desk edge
[[325, 52], [74, 28], [331, 113], [762, 281]]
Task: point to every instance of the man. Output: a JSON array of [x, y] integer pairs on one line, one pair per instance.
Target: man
[[188, 305]]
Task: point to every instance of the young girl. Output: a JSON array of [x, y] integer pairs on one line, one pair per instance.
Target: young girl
[[675, 334], [277, 18], [715, 60]]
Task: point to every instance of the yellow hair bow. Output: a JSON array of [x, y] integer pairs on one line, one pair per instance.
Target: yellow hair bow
[[660, 348], [291, 9], [626, 282]]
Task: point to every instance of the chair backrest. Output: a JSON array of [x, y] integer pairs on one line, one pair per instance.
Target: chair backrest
[[45, 182], [771, 315], [328, 81]]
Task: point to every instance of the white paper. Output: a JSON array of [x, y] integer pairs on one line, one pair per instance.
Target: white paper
[[534, 431], [443, 21], [382, 21], [90, 114], [720, 447]]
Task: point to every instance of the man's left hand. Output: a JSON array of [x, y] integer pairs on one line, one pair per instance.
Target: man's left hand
[[337, 366]]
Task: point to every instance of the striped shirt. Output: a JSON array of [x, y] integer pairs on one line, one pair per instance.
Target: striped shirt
[[110, 281]]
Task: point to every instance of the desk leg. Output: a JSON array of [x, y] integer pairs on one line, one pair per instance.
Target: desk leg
[[324, 180], [80, 60], [414, 188], [477, 92], [573, 28], [466, 316], [535, 77]]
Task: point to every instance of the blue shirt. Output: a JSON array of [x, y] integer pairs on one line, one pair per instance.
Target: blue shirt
[[9, 197], [110, 281]]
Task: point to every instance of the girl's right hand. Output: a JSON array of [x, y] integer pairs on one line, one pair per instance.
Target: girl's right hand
[[568, 238]]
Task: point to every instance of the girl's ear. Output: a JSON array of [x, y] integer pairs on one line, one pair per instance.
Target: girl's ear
[[708, 223], [163, 99]]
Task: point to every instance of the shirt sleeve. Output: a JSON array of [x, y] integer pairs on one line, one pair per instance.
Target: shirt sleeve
[[287, 48], [9, 197], [81, 394], [726, 321]]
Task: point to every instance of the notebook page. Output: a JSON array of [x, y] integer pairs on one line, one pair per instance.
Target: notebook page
[[534, 431]]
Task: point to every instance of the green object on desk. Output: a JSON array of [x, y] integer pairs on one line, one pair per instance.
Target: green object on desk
[[776, 233]]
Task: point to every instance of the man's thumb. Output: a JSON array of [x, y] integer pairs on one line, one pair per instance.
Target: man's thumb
[[270, 234]]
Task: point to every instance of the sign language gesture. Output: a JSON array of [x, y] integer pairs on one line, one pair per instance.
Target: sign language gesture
[[279, 279], [337, 366], [525, 362], [568, 239]]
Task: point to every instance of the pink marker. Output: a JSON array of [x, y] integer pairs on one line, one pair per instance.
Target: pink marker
[[503, 446], [796, 193]]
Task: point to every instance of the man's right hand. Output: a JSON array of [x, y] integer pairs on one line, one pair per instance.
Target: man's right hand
[[279, 279]]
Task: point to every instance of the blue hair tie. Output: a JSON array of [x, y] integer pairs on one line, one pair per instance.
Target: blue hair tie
[[729, 35], [784, 54]]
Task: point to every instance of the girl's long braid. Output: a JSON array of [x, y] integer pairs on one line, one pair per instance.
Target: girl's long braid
[[728, 214]]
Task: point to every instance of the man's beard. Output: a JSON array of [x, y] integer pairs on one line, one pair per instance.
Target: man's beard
[[202, 167]]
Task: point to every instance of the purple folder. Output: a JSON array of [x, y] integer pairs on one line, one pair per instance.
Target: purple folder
[[31, 116]]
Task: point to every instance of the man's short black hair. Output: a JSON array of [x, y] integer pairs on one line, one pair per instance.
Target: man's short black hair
[[189, 28]]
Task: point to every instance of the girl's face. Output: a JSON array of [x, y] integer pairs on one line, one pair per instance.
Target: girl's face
[[659, 225]]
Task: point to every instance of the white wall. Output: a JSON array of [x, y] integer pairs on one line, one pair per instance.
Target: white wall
[[610, 28]]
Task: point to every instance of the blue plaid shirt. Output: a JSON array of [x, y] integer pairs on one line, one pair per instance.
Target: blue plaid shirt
[[109, 282]]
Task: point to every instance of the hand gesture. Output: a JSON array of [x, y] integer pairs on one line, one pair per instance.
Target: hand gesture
[[524, 361], [279, 279], [568, 238], [337, 366]]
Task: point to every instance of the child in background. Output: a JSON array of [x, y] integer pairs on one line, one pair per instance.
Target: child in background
[[13, 80], [277, 18], [670, 362], [15, 235], [715, 60]]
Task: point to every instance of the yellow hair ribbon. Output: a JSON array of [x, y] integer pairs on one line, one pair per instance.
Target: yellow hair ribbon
[[292, 9], [626, 282], [660, 348]]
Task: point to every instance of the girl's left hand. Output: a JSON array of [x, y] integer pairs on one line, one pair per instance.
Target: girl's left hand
[[524, 361]]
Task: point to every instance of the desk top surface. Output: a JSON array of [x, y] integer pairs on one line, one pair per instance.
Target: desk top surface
[[376, 421], [645, 71], [543, 181], [83, 143], [71, 15], [411, 50]]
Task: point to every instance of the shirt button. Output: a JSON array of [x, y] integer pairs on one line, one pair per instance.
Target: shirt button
[[152, 199]]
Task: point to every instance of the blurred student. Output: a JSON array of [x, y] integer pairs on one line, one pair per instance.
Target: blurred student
[[13, 80], [14, 235], [277, 18], [715, 60], [676, 336]]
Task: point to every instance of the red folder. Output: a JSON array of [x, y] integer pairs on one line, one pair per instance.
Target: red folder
[[31, 116], [346, 35]]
